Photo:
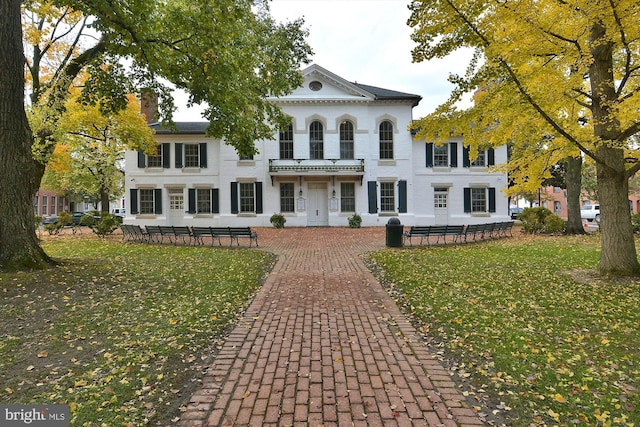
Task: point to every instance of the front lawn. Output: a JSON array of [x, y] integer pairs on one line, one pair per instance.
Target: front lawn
[[120, 332], [525, 322]]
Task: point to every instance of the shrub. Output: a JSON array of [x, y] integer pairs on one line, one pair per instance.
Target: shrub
[[277, 220], [355, 221], [541, 221], [64, 219], [100, 223]]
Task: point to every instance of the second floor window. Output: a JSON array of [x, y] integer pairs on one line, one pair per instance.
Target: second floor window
[[155, 160], [316, 141], [386, 140], [191, 155], [286, 143], [346, 140]]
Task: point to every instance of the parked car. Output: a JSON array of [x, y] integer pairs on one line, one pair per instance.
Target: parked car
[[121, 212], [49, 219], [515, 212], [76, 217], [590, 212]]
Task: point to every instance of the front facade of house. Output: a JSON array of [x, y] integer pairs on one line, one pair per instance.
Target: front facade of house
[[346, 151]]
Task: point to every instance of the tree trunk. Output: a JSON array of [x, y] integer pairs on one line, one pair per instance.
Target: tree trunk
[[573, 179], [19, 247], [104, 200], [618, 250]]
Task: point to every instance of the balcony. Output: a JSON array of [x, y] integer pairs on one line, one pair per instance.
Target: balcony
[[316, 167]]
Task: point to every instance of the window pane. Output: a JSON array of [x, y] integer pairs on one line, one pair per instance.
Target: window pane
[[347, 197], [286, 143], [387, 197], [316, 141], [441, 155], [191, 155], [478, 200], [440, 198], [286, 197], [346, 140], [386, 140], [203, 200], [155, 161], [146, 201], [247, 201], [481, 160]]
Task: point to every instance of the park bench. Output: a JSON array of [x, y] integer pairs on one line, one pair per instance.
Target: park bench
[[154, 233], [243, 232], [182, 232], [232, 233], [133, 233]]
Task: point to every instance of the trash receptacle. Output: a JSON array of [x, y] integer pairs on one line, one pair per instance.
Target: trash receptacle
[[394, 233]]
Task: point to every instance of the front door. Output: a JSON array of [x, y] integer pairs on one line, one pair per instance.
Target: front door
[[441, 205], [318, 205], [176, 206]]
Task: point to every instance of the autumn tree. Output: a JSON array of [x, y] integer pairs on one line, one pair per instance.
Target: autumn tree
[[90, 152], [558, 79], [229, 55]]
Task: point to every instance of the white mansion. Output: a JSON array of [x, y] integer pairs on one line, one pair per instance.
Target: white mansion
[[348, 150]]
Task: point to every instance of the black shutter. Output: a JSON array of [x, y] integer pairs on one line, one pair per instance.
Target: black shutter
[[467, 200], [142, 159], [465, 157], [192, 201], [491, 157], [402, 196], [453, 154], [258, 197], [157, 199], [133, 201], [373, 197], [215, 200], [203, 154], [429, 154], [492, 199], [178, 155], [234, 197], [166, 155]]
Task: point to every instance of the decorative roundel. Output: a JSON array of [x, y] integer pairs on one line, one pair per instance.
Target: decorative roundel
[[315, 85]]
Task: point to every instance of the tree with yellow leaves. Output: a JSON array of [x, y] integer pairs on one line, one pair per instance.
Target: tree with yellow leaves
[[557, 80]]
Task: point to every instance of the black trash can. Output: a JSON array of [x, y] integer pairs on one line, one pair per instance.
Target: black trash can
[[394, 233]]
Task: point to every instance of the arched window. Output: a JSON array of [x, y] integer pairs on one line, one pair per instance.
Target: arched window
[[386, 140], [286, 143], [316, 141], [346, 140]]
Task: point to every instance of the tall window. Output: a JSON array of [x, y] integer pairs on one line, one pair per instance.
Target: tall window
[[286, 143], [203, 200], [387, 197], [247, 197], [386, 140], [191, 155], [45, 207], [155, 160], [346, 140], [441, 155], [347, 197], [478, 200], [147, 205], [287, 197], [481, 160], [316, 141]]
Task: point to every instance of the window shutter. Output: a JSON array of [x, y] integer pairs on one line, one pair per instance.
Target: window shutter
[[402, 196], [492, 199], [192, 201], [133, 201], [166, 155], [203, 154], [429, 154], [467, 200], [215, 200], [453, 154], [178, 151], [258, 197], [373, 197], [491, 157], [157, 199], [465, 157], [142, 159], [234, 197]]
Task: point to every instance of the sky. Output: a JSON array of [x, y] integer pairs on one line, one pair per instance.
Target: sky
[[369, 42]]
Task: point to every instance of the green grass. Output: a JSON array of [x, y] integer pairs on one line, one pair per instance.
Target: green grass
[[529, 324], [119, 332]]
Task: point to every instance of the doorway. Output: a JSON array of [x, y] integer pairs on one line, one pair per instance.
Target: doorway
[[318, 205]]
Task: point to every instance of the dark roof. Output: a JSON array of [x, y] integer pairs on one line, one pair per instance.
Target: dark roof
[[381, 93], [195, 128]]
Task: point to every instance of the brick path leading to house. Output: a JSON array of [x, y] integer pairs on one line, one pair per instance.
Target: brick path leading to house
[[322, 344]]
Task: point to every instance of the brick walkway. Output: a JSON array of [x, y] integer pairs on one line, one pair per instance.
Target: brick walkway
[[322, 344]]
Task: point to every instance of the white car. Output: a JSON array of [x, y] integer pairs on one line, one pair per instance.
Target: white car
[[590, 212]]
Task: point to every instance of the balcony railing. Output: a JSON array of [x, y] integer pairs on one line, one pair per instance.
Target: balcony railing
[[324, 166]]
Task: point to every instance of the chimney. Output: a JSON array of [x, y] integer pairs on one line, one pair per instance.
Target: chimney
[[149, 105]]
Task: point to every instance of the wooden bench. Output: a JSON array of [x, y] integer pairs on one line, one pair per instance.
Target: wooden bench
[[243, 232], [154, 234], [182, 232], [416, 231], [133, 233], [233, 233]]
